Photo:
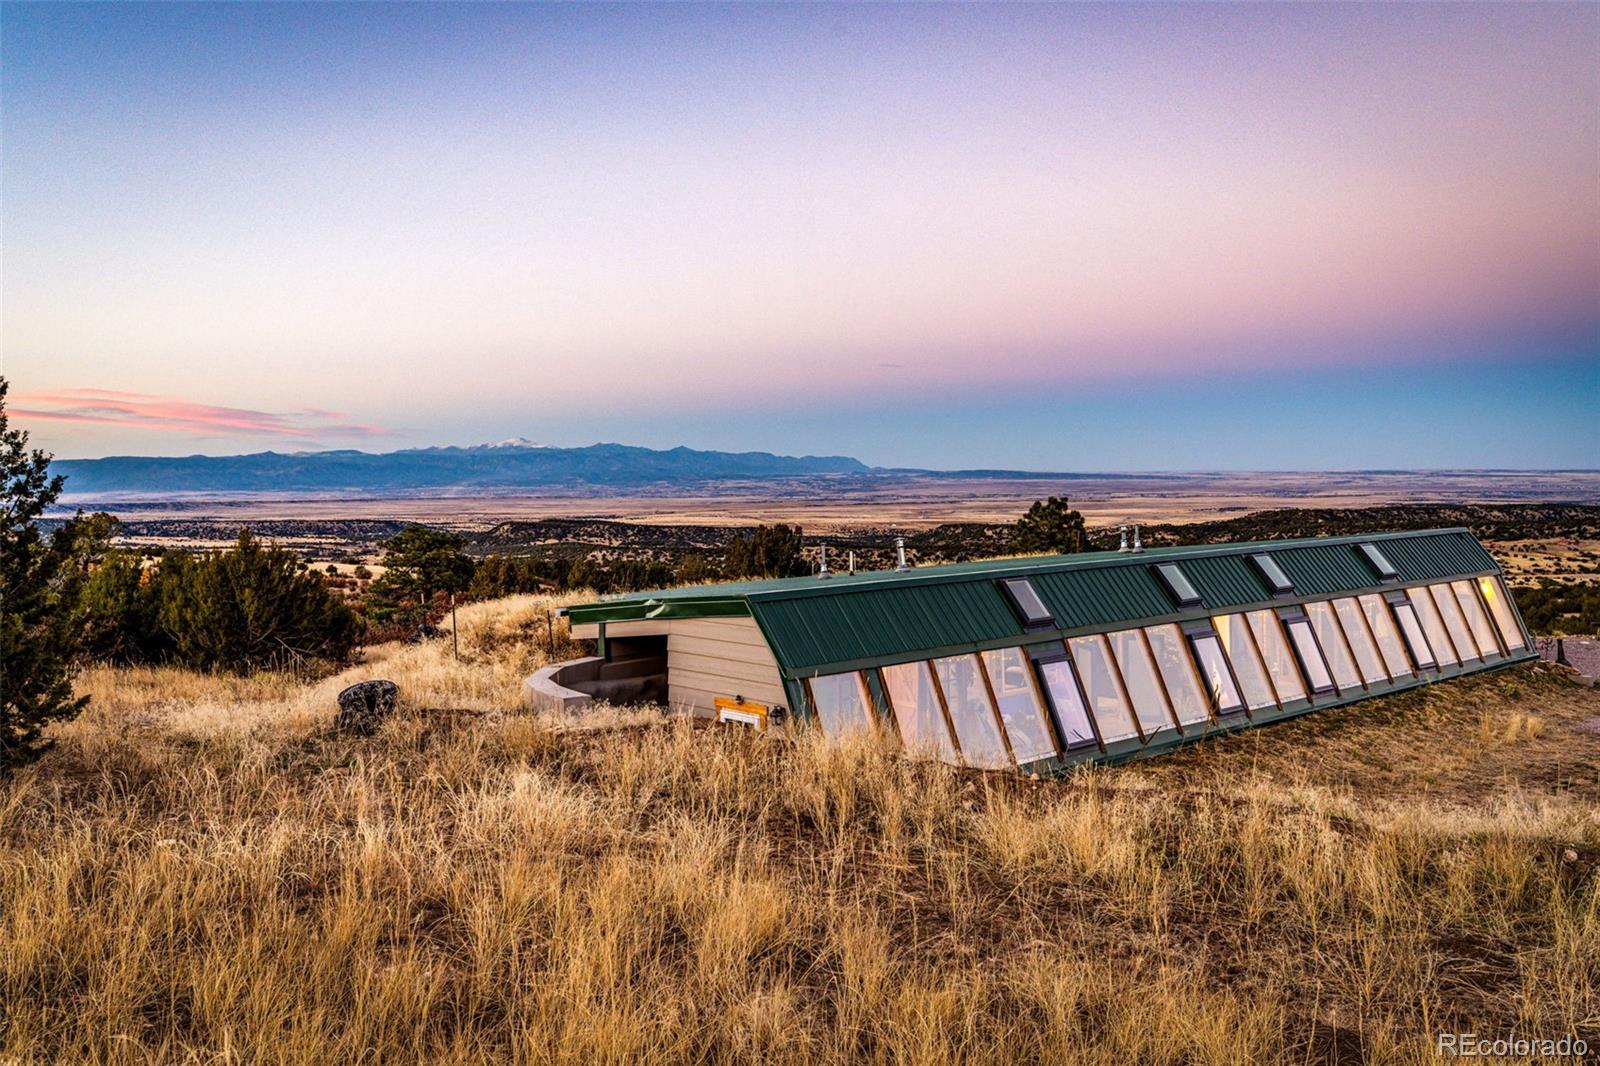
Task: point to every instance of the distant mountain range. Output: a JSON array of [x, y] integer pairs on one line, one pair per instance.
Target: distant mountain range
[[512, 464]]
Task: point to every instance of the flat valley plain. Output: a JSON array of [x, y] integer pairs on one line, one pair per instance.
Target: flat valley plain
[[1508, 509], [908, 501]]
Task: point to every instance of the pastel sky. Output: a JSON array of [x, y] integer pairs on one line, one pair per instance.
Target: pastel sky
[[1067, 237]]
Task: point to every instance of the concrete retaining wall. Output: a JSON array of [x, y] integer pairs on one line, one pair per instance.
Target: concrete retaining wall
[[572, 686]]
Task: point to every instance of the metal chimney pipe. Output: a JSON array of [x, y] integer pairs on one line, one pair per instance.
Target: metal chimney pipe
[[852, 562], [900, 554], [1122, 547], [1138, 545], [822, 571]]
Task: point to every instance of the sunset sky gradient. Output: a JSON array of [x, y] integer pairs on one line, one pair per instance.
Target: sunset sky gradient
[[1071, 237]]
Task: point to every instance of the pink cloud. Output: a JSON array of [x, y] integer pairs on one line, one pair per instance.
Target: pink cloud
[[166, 414]]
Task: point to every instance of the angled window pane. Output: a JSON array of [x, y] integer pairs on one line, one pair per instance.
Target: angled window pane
[[1454, 623], [1331, 636], [971, 712], [1275, 654], [1411, 630], [1366, 651], [1092, 656], [1071, 715], [1505, 618], [1208, 655], [1272, 574], [1381, 622], [1139, 675], [1248, 666], [1433, 626], [1477, 617], [1378, 561], [1020, 709], [916, 710], [1183, 593], [1026, 602], [1177, 670], [842, 704], [1310, 656]]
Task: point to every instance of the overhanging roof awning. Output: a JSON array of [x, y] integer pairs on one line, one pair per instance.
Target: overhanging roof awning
[[644, 610]]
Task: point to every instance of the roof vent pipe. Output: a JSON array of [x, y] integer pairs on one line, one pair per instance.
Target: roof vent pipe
[[852, 562], [1124, 545], [1138, 545], [900, 554], [822, 571]]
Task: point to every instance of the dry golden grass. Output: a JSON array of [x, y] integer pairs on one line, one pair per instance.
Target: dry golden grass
[[203, 872]]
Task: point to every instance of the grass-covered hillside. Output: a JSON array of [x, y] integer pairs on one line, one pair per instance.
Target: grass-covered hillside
[[202, 871]]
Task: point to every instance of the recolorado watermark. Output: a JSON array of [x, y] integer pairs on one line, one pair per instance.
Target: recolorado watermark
[[1473, 1046]]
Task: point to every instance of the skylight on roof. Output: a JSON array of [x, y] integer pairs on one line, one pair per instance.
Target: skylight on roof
[[1378, 561], [1026, 602], [1182, 591], [1272, 574]]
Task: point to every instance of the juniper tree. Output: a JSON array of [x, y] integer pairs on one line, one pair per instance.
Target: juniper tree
[[41, 582], [121, 603], [250, 608], [1050, 526], [767, 551], [421, 562]]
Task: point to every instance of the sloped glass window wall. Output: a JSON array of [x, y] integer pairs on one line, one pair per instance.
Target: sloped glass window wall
[[1365, 649], [1477, 618], [1438, 634], [1444, 598], [1102, 686], [916, 708], [1382, 625], [1331, 636], [1499, 601], [841, 703], [971, 712], [1179, 674], [1248, 666], [1021, 711], [1144, 687], [1275, 653]]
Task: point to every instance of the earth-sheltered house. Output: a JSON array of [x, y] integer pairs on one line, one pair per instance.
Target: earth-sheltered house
[[1040, 663]]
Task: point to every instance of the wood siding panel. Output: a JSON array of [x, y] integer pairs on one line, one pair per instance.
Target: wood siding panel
[[716, 666], [703, 703], [730, 630], [711, 657], [761, 692], [721, 649]]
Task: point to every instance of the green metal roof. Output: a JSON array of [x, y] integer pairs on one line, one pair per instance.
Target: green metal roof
[[817, 625]]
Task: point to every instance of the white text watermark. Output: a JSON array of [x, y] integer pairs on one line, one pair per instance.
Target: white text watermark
[[1473, 1046]]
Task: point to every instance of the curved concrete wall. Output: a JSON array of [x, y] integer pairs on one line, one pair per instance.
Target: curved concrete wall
[[545, 690], [573, 685]]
